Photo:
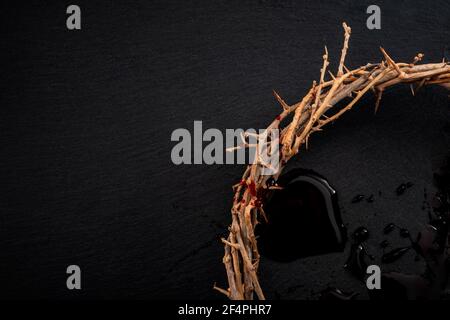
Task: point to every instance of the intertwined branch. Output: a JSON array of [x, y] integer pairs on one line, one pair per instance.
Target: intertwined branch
[[307, 116]]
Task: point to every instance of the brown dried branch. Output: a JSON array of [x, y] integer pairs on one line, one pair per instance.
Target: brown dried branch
[[347, 32], [241, 257]]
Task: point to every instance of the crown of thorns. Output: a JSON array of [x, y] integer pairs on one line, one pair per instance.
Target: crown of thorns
[[318, 108]]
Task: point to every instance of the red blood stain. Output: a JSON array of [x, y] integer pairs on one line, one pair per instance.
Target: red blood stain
[[252, 188]]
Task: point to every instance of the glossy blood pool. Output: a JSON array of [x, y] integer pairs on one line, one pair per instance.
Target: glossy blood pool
[[303, 218]]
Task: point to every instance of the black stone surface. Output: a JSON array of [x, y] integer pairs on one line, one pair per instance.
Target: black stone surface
[[86, 118]]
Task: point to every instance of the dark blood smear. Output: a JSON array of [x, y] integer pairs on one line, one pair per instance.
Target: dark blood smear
[[384, 244], [298, 222], [335, 294], [358, 198], [361, 234], [357, 261], [402, 188], [404, 233], [390, 290], [394, 254], [388, 228]]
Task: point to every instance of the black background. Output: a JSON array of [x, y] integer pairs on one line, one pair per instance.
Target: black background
[[87, 117]]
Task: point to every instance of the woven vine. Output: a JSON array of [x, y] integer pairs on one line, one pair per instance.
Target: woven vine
[[318, 108]]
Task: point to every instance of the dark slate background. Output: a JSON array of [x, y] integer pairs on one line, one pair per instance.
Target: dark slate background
[[87, 117]]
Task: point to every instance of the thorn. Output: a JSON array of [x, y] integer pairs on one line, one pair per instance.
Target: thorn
[[251, 134], [392, 63], [346, 69], [280, 100], [243, 138], [263, 214], [275, 188], [377, 104], [331, 74], [412, 89], [223, 291], [421, 83]]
